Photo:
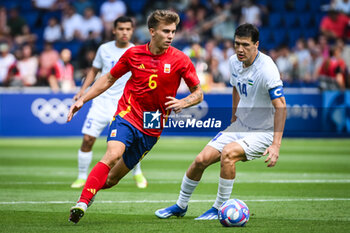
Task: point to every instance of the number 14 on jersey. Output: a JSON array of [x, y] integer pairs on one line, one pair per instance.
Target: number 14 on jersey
[[242, 88]]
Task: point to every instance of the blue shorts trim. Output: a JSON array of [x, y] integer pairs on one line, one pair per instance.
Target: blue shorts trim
[[137, 144]]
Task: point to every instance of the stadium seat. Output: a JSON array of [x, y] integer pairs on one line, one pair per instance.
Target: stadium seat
[[290, 19], [136, 6], [278, 6], [279, 36], [304, 20], [315, 5], [300, 5], [265, 35], [293, 36], [30, 17], [275, 20]]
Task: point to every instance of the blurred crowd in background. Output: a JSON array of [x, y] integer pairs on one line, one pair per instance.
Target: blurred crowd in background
[[53, 42]]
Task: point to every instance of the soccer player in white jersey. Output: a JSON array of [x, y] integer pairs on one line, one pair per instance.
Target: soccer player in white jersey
[[104, 106], [257, 124]]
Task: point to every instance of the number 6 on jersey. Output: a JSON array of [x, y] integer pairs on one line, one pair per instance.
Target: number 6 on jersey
[[152, 83]]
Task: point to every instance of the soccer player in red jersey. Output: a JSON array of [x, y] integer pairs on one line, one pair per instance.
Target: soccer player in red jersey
[[149, 96]]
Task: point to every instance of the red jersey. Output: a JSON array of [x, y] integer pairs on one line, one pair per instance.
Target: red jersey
[[154, 77]]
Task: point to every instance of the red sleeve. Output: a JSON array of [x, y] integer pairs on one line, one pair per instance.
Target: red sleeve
[[122, 65], [189, 74]]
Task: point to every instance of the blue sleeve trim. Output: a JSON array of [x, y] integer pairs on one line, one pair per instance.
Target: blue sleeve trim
[[276, 92]]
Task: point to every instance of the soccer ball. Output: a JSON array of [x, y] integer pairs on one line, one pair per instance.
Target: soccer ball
[[233, 213]]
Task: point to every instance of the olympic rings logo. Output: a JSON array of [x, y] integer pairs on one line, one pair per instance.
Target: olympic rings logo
[[53, 110]]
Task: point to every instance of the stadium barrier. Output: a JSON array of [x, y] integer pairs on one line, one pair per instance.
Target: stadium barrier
[[310, 114]]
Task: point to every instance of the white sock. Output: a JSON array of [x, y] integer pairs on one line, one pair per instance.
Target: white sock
[[84, 160], [224, 192], [137, 169], [187, 188]]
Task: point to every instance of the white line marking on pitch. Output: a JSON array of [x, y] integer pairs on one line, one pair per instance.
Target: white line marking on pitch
[[178, 182], [170, 201]]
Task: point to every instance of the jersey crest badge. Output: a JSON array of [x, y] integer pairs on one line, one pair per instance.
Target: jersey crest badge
[[250, 82], [167, 68], [114, 133]]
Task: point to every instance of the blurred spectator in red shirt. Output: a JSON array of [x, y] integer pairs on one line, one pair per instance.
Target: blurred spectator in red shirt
[[47, 70], [335, 25], [333, 71]]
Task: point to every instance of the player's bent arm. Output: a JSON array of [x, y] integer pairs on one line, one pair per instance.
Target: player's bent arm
[[97, 88], [235, 100], [90, 77], [101, 85], [195, 97]]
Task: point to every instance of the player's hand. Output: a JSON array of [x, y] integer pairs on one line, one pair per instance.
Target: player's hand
[[273, 152], [78, 95], [175, 104], [74, 108]]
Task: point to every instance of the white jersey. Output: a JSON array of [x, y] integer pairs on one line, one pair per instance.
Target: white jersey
[[255, 109], [106, 57]]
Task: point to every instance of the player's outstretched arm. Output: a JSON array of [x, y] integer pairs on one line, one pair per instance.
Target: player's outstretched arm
[[194, 98], [279, 121], [90, 77], [102, 84]]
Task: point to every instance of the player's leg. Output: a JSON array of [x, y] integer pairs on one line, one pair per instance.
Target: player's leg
[[138, 176], [206, 157], [96, 120], [97, 178], [84, 160], [230, 154]]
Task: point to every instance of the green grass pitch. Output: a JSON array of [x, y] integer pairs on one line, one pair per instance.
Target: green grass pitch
[[307, 191]]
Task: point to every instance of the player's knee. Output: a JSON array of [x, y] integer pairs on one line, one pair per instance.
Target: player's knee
[[230, 155], [111, 158], [201, 162], [111, 182]]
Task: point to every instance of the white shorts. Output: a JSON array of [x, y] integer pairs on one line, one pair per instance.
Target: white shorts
[[254, 142], [100, 115]]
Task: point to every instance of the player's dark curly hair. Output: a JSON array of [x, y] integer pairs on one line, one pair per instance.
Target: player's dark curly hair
[[165, 16], [248, 30], [123, 19]]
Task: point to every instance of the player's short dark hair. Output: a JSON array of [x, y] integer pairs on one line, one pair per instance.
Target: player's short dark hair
[[165, 16], [123, 19], [248, 30]]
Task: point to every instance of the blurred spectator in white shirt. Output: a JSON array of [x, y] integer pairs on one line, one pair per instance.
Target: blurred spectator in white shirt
[[23, 72], [286, 63], [91, 25], [110, 10], [304, 59], [52, 31], [251, 13], [71, 23], [341, 5], [44, 4]]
